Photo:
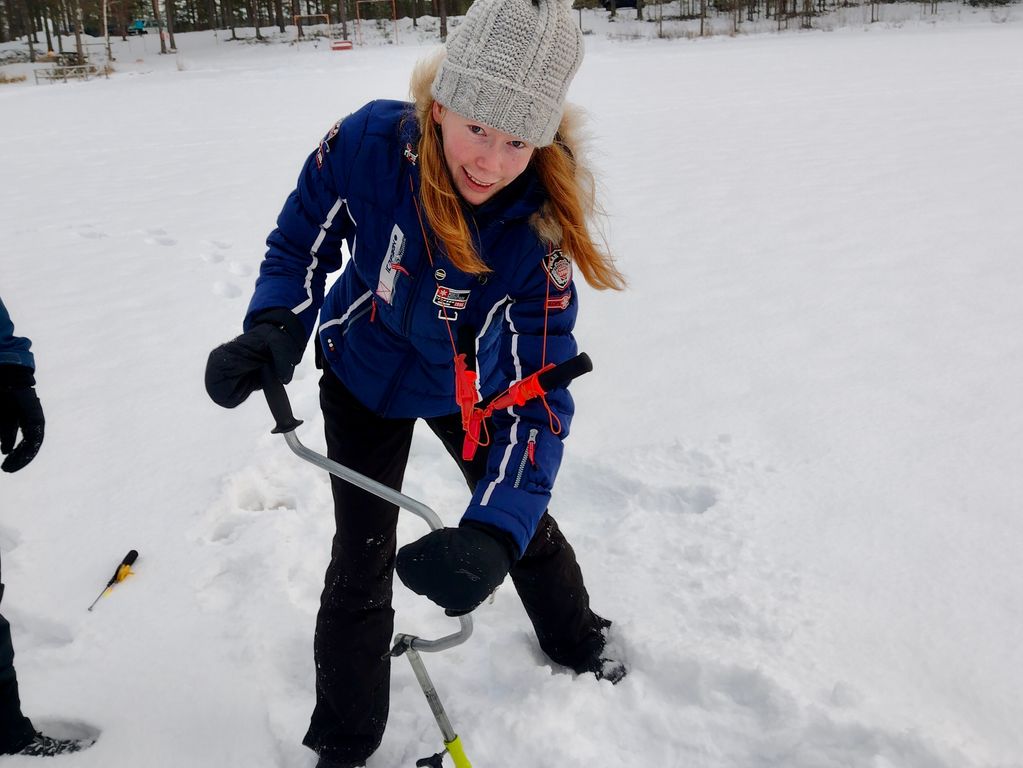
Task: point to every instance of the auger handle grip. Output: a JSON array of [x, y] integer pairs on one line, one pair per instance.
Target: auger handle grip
[[564, 372], [277, 399]]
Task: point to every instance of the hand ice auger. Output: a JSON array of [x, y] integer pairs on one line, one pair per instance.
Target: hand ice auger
[[536, 385], [410, 645]]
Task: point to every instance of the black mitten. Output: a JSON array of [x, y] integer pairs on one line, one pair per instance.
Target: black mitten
[[233, 369], [20, 410], [457, 568]]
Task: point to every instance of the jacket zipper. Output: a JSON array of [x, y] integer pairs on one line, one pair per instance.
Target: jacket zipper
[[413, 296], [527, 455]]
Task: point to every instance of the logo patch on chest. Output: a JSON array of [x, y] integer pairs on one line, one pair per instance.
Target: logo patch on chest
[[559, 303], [391, 265], [451, 298], [559, 269]]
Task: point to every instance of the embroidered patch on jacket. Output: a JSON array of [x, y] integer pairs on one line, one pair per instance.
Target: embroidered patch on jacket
[[391, 265], [559, 303], [326, 143], [451, 298], [410, 155], [334, 131], [559, 268]]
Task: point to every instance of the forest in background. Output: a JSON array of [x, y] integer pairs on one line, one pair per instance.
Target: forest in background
[[42, 22]]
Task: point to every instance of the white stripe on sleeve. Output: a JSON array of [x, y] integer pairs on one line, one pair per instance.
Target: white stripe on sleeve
[[513, 441], [315, 261]]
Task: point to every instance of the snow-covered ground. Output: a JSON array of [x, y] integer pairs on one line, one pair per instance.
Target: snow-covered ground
[[793, 480]]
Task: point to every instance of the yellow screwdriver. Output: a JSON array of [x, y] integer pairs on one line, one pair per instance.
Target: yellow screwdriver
[[123, 571]]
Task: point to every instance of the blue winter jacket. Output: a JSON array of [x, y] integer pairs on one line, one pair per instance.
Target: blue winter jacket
[[387, 324], [13, 349]]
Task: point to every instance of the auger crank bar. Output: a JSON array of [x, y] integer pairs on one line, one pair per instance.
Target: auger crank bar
[[280, 408]]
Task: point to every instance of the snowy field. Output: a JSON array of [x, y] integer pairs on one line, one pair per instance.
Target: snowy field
[[793, 480]]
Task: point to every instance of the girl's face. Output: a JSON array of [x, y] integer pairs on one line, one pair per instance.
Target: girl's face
[[482, 160]]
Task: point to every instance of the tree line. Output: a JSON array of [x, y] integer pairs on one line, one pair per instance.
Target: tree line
[[42, 20]]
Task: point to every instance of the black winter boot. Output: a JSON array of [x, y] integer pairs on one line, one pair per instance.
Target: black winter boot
[[48, 746], [602, 663], [326, 762], [603, 668]]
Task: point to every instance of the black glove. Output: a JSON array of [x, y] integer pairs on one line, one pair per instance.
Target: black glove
[[457, 568], [233, 369], [20, 409]]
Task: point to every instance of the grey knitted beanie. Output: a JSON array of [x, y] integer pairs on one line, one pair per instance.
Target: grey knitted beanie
[[509, 64]]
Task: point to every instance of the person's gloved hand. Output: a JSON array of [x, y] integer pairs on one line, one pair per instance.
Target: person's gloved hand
[[232, 370], [457, 568], [20, 410]]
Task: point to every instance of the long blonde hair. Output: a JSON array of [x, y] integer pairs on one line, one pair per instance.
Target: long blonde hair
[[563, 220]]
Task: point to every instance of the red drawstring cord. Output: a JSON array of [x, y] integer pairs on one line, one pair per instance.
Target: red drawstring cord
[[551, 416], [474, 420]]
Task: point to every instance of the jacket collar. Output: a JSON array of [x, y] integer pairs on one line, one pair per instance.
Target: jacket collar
[[519, 200]]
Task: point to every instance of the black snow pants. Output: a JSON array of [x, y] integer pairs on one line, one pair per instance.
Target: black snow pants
[[355, 621], [15, 729]]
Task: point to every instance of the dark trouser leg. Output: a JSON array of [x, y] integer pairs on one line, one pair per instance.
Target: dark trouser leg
[[547, 576], [355, 621], [15, 729]]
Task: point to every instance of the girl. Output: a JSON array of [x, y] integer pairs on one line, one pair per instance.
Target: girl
[[465, 215]]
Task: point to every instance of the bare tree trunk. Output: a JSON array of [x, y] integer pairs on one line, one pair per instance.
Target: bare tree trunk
[[106, 30], [37, 19], [169, 7], [25, 16], [122, 20], [79, 48], [254, 14], [60, 27], [159, 25], [639, 10], [46, 28], [229, 18], [342, 6], [279, 12], [442, 9]]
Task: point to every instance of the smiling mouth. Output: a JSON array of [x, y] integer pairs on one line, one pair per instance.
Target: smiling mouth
[[477, 182]]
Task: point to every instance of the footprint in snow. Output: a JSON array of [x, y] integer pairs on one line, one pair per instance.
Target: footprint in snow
[[226, 290], [9, 538], [89, 233], [159, 237], [213, 250], [38, 631], [754, 719]]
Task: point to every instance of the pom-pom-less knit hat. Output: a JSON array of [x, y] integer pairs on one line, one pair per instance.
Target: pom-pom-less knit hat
[[508, 65]]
